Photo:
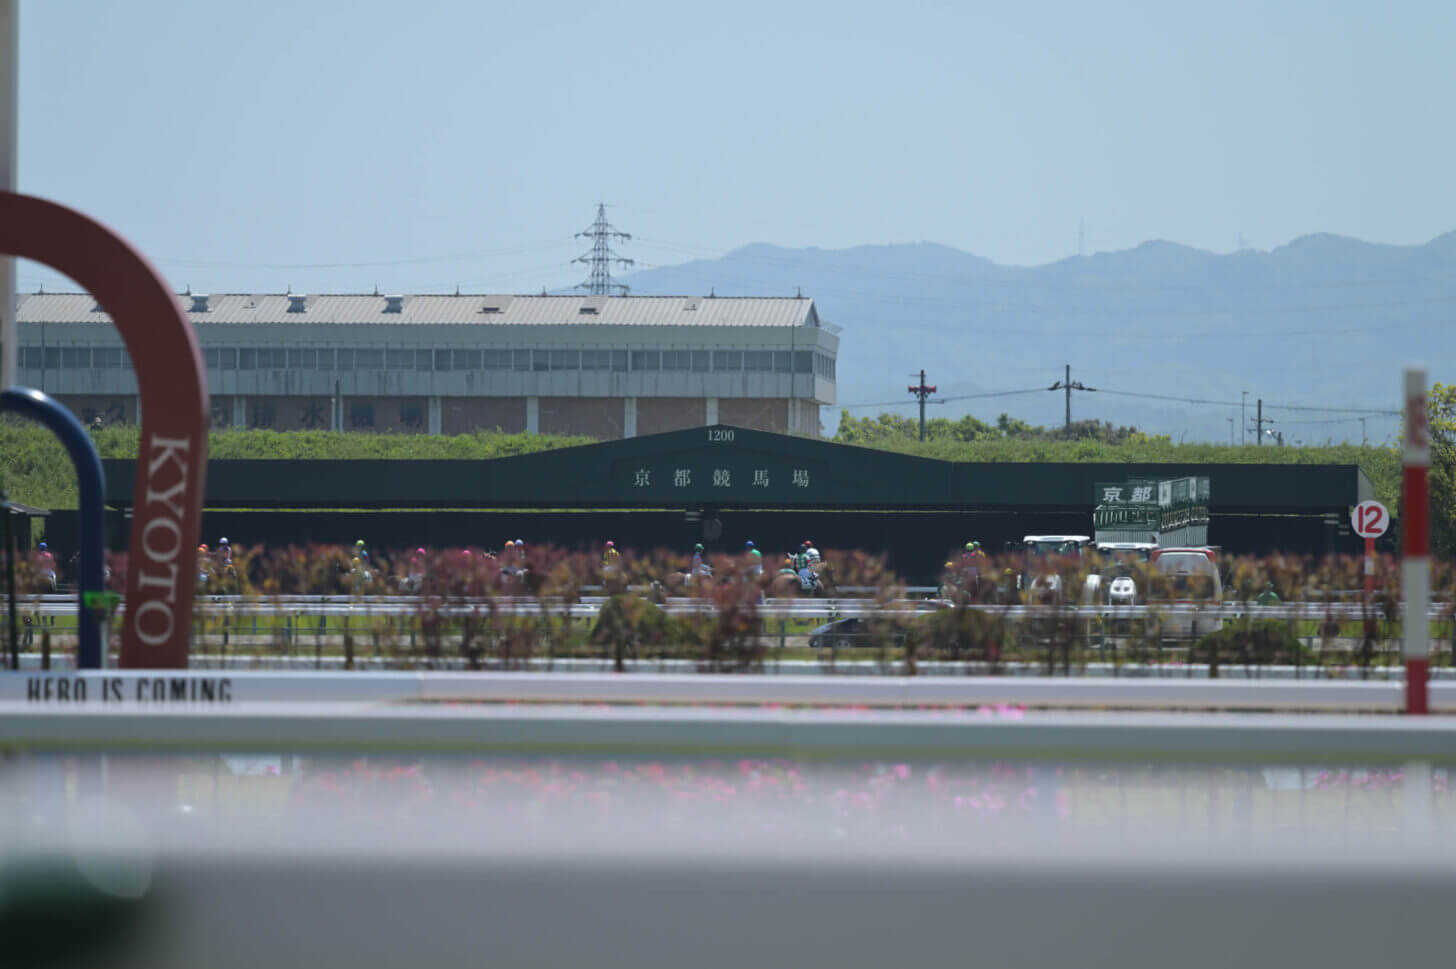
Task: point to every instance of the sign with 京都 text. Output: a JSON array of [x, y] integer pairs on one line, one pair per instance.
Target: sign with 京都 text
[[717, 473]]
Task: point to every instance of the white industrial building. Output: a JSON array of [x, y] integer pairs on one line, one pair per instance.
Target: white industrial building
[[603, 366]]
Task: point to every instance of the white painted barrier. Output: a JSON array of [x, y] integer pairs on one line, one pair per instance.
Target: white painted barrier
[[161, 689], [589, 606], [735, 731]]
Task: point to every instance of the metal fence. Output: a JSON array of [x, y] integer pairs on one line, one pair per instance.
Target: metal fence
[[1334, 638]]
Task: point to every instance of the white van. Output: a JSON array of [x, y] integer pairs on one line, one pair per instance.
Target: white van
[[1035, 577], [1187, 577], [1115, 585]]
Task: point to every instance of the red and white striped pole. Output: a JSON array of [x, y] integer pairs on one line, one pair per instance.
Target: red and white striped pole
[[1415, 569]]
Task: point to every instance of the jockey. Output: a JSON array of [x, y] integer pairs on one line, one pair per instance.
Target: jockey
[[611, 558], [417, 566], [699, 566], [224, 552], [948, 580], [755, 564], [204, 561], [811, 552], [788, 567], [801, 559], [45, 564]]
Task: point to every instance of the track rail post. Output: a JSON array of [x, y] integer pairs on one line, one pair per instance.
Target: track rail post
[[1415, 568]]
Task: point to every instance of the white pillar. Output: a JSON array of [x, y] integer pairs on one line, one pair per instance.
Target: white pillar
[[533, 415], [629, 417], [712, 411], [434, 415], [9, 87], [240, 411]]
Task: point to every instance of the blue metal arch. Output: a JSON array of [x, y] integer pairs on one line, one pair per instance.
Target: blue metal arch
[[92, 487]]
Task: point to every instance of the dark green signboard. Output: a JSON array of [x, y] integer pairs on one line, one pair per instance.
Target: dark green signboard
[[726, 473]]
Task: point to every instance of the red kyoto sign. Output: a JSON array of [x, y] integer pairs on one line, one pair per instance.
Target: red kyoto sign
[[172, 455]]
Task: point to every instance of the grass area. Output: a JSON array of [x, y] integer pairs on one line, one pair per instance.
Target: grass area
[[35, 470]]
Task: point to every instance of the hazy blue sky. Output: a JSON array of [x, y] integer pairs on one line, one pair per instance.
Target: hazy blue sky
[[253, 146]]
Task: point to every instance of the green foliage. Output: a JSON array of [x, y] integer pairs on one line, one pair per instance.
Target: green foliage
[[1257, 642], [1014, 440], [34, 468], [887, 430], [1442, 409]]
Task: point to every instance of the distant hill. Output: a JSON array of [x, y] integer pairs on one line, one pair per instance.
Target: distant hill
[[1323, 321]]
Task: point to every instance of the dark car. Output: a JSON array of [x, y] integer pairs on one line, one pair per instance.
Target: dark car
[[851, 632]]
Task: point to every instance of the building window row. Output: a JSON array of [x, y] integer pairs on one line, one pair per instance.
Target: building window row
[[521, 361], [74, 358]]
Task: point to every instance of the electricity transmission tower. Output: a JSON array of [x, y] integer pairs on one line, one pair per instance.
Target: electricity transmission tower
[[600, 258]]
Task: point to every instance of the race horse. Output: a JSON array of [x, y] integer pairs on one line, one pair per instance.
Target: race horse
[[816, 580]]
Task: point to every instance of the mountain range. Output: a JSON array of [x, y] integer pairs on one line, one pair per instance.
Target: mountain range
[[1325, 321]]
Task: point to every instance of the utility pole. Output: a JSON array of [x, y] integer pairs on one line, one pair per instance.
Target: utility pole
[[1068, 385], [1362, 432], [1259, 422], [921, 392], [9, 104], [1243, 418], [600, 258], [1231, 431]]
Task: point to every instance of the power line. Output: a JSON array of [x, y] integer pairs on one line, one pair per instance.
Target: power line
[[1235, 403], [1180, 400], [1336, 410], [364, 264], [1327, 420], [994, 393], [946, 400]]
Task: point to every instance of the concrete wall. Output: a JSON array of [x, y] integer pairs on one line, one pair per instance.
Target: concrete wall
[[603, 418], [763, 414], [658, 414], [394, 415], [404, 345], [111, 408], [465, 415], [598, 417], [284, 413]]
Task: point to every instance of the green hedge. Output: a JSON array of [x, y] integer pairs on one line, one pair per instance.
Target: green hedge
[[34, 468]]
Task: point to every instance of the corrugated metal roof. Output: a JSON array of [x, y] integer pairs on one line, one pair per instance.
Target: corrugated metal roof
[[488, 310]]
